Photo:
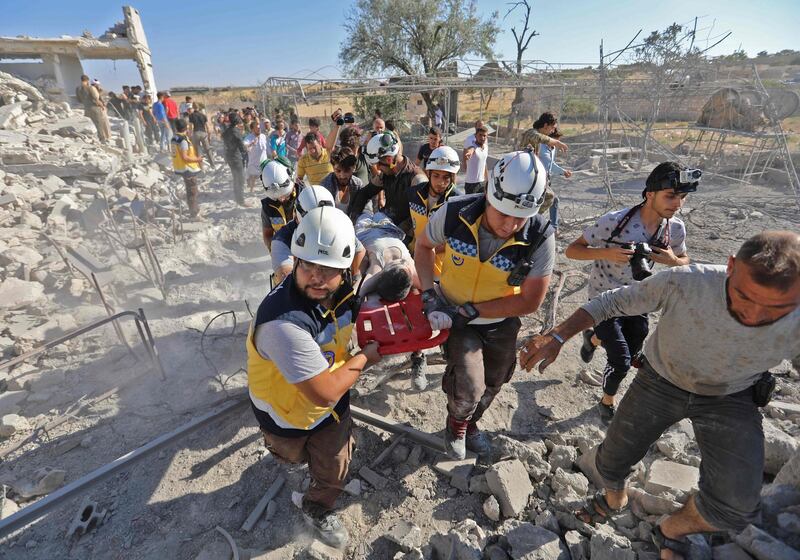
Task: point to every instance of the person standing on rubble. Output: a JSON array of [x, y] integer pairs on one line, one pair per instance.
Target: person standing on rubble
[[498, 257], [201, 132], [160, 113], [425, 199], [94, 108], [615, 244], [187, 164], [171, 108], [235, 155], [720, 331], [299, 369]]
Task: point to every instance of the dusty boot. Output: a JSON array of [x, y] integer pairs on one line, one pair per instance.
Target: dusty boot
[[455, 435], [328, 526], [477, 441], [419, 371]]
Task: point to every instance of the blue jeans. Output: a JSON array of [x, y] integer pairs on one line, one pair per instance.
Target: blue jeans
[[554, 213], [166, 135], [728, 432]]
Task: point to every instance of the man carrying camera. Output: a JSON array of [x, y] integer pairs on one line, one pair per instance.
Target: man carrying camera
[[720, 331], [623, 245]]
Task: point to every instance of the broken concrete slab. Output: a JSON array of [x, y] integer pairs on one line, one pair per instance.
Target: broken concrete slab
[[511, 485], [529, 542], [21, 255], [577, 544], [406, 535], [667, 477], [653, 505], [562, 456], [16, 293], [779, 447], [10, 424], [7, 507], [9, 115]]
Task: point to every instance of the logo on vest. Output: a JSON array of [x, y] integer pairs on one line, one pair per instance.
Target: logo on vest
[[458, 261], [329, 357]]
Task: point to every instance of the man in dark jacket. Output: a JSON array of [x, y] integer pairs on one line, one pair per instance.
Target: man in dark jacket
[[235, 155]]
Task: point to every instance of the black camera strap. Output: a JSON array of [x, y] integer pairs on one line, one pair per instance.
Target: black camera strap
[[525, 264], [655, 239]]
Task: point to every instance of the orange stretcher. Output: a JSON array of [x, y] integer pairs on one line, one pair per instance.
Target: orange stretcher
[[398, 327]]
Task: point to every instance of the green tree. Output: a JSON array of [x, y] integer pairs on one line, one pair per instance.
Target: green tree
[[414, 37]]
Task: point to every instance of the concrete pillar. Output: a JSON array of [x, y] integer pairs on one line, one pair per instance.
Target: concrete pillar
[[137, 39]]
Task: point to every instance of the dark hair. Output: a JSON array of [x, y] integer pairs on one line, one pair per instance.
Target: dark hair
[[125, 87], [234, 119], [344, 157], [310, 137], [661, 172], [556, 133], [377, 113], [389, 125], [352, 142], [395, 282], [84, 78], [254, 124], [773, 258], [435, 131], [188, 98], [313, 121], [544, 119], [180, 125], [481, 129]]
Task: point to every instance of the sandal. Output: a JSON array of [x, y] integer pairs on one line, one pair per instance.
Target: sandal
[[665, 543], [598, 510]]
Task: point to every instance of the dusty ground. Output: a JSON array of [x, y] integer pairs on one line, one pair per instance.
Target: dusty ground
[[168, 505]]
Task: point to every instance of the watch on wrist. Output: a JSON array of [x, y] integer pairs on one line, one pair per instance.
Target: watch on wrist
[[469, 311]]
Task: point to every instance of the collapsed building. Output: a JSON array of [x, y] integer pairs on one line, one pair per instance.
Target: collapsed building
[[58, 68]]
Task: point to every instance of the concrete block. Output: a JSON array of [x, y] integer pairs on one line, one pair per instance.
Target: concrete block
[[9, 401], [562, 456], [13, 423], [730, 551], [577, 544], [653, 505], [353, 487], [764, 546], [511, 486], [20, 254], [529, 542], [779, 447], [669, 477], [406, 535], [9, 114], [373, 478]]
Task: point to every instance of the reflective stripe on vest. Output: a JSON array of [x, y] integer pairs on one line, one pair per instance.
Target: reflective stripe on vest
[[267, 384]]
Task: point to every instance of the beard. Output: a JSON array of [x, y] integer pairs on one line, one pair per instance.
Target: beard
[[313, 296]]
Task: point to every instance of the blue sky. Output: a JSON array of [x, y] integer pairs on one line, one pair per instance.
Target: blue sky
[[211, 42]]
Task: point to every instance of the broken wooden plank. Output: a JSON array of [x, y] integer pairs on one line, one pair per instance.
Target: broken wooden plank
[[385, 453]]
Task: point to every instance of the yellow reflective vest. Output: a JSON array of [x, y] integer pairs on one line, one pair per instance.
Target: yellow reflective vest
[[179, 165], [418, 206], [465, 278], [330, 328], [279, 214]]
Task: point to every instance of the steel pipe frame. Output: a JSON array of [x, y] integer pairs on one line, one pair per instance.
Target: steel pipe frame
[[141, 325], [36, 510]]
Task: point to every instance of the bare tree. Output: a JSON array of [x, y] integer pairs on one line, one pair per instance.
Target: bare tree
[[523, 40], [415, 37]]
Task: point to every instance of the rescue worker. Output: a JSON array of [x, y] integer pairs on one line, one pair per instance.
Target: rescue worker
[[425, 199], [187, 164], [282, 259], [397, 174], [277, 208], [498, 257], [299, 371]]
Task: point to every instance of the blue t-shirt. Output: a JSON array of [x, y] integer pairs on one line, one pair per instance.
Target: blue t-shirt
[[159, 112]]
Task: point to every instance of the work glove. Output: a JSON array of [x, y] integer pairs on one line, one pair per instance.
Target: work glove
[[434, 304], [440, 321]]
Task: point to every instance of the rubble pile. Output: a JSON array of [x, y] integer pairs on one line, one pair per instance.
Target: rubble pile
[[57, 184]]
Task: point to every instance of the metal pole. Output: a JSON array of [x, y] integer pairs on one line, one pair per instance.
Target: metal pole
[[36, 510]]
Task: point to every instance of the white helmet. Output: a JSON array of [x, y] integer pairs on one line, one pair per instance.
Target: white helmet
[[443, 158], [276, 180], [381, 145], [326, 237], [312, 197], [517, 184]]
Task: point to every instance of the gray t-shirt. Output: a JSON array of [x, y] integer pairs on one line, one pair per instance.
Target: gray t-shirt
[[697, 344], [543, 259], [607, 275]]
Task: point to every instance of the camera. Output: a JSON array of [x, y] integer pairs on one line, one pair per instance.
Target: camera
[[641, 265], [690, 175], [349, 118]]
